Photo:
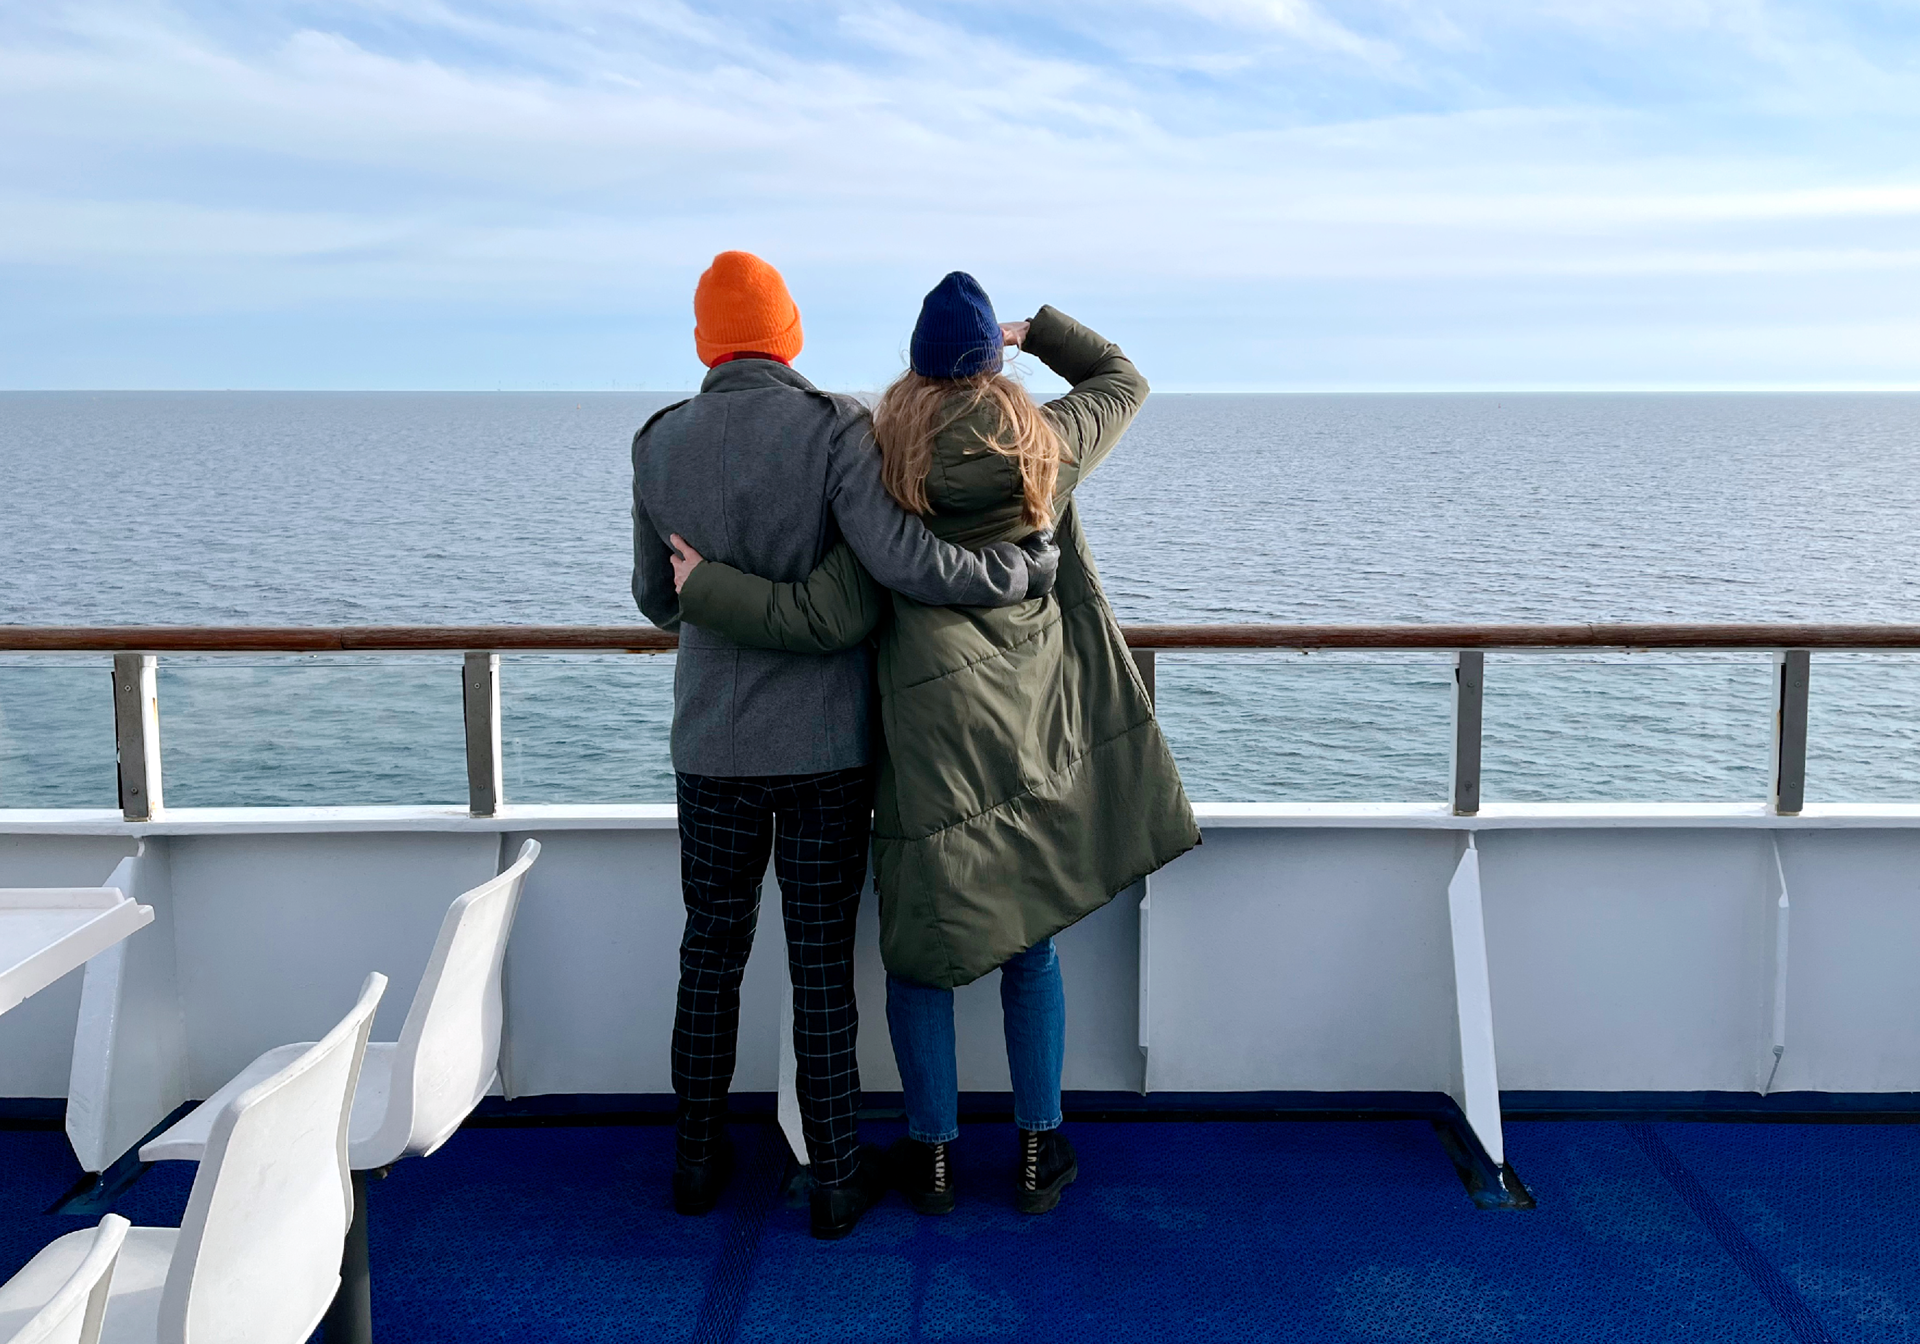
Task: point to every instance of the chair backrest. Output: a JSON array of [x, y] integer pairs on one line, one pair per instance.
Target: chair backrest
[[449, 1050], [74, 1314], [258, 1258]]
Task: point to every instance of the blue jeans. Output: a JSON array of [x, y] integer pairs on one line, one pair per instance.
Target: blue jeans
[[1033, 1008]]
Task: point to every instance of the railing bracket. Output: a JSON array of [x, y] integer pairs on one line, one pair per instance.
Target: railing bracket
[[1792, 673], [1489, 1185], [480, 698], [1469, 692]]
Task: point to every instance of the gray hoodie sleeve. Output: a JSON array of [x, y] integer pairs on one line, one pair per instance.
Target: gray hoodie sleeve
[[901, 553], [652, 571]]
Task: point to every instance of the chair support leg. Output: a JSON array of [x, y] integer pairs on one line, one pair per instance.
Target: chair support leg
[[350, 1318]]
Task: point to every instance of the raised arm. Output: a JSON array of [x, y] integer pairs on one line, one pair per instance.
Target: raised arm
[[1107, 390]]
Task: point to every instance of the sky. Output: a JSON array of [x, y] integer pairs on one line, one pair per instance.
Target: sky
[[1248, 195]]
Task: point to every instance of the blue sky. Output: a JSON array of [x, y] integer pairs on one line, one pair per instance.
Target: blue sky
[[1248, 194]]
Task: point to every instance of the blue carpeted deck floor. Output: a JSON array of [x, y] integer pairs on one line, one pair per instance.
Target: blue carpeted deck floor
[[1225, 1230]]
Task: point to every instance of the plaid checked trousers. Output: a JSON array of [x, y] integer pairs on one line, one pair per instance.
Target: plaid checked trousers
[[815, 828]]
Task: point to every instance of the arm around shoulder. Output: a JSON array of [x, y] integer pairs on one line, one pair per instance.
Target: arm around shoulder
[[902, 554]]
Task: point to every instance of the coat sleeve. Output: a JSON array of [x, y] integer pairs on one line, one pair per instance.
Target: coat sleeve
[[834, 608], [652, 570], [1107, 390], [901, 553]]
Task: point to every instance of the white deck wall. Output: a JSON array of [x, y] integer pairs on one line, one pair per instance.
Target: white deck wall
[[1300, 948]]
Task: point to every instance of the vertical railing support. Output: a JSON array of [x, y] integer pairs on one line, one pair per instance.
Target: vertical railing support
[[786, 1104], [1469, 689], [1143, 660], [1782, 917], [1479, 1149], [136, 732], [1144, 992], [480, 693], [1792, 669]]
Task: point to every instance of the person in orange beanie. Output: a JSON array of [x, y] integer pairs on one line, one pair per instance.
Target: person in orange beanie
[[741, 308], [771, 749]]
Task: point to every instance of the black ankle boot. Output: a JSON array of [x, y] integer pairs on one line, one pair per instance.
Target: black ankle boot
[[921, 1173], [1047, 1166], [837, 1209], [697, 1186]]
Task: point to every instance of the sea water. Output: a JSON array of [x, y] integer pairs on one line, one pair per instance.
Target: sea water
[[348, 508]]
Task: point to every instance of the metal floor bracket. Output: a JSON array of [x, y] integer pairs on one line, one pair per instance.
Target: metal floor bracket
[[96, 1192], [1489, 1185]]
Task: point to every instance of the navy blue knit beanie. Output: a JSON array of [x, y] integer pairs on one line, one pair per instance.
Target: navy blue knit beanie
[[957, 335]]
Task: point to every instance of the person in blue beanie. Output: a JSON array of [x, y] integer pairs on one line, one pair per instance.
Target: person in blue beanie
[[1024, 782]]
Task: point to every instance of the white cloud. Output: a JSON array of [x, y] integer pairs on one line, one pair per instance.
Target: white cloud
[[1300, 20], [579, 157]]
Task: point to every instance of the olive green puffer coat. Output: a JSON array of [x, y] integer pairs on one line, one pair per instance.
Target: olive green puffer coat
[[1024, 781]]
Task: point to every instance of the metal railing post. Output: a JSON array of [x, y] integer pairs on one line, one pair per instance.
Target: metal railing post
[[1143, 659], [1469, 686], [480, 696], [136, 733], [1792, 670]]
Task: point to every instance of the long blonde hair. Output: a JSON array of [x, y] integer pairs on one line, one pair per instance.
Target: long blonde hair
[[915, 410]]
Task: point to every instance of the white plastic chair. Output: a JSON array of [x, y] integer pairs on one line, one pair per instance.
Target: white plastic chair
[[414, 1092], [72, 1315], [256, 1258]]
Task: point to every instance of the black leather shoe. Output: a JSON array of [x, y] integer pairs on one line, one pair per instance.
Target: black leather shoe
[[1047, 1167], [837, 1209], [922, 1173], [697, 1186]]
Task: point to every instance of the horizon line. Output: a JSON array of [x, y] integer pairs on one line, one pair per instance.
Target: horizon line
[[1475, 389]]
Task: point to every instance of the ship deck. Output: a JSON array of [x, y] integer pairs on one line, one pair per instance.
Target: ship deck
[[1697, 983], [1177, 1230]]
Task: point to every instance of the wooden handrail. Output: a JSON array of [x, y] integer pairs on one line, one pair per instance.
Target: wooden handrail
[[646, 639], [1590, 635], [335, 639]]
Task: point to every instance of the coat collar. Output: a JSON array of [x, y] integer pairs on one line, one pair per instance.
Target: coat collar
[[745, 375]]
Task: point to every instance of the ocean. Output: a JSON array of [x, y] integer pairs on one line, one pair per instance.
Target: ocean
[[359, 508]]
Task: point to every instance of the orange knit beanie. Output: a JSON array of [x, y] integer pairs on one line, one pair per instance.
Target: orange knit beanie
[[741, 305]]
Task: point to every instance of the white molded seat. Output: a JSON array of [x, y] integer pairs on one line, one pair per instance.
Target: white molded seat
[[39, 1308], [256, 1259], [413, 1092]]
